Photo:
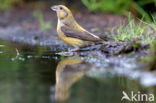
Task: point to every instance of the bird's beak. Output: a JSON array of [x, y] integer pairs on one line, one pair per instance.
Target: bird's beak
[[55, 7]]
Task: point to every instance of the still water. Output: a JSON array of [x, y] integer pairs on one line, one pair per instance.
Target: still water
[[32, 74]]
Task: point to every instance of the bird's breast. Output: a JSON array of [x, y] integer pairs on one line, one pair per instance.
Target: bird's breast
[[72, 41]]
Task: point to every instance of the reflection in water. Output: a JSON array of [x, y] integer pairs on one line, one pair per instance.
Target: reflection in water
[[28, 78], [69, 70], [73, 85]]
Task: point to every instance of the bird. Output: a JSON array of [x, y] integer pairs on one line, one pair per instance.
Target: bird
[[68, 71], [70, 31]]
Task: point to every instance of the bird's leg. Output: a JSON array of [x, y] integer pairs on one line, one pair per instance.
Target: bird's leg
[[74, 49]]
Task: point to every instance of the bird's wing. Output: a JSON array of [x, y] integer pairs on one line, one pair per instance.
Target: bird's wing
[[83, 35]]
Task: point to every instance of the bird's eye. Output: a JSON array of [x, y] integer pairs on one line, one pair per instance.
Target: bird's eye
[[61, 8]]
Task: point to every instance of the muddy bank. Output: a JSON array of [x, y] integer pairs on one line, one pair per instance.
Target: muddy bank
[[20, 25]]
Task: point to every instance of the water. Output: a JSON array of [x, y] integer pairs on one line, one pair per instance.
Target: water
[[30, 74]]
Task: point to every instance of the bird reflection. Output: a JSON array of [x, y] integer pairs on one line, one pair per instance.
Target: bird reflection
[[68, 71]]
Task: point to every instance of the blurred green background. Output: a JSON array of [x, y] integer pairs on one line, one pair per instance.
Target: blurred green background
[[140, 8]]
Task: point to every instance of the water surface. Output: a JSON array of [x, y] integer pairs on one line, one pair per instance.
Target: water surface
[[33, 74]]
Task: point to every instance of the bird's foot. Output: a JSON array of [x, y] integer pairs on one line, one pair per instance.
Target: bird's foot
[[74, 50]]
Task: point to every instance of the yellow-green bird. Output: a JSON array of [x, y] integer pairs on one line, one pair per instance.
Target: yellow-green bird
[[70, 31]]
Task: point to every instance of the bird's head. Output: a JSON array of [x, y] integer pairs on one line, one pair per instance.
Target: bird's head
[[63, 13]]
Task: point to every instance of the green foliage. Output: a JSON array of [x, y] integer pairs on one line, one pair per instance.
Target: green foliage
[[134, 31], [153, 23], [129, 32], [5, 4], [1, 45], [118, 6], [43, 24], [107, 5]]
